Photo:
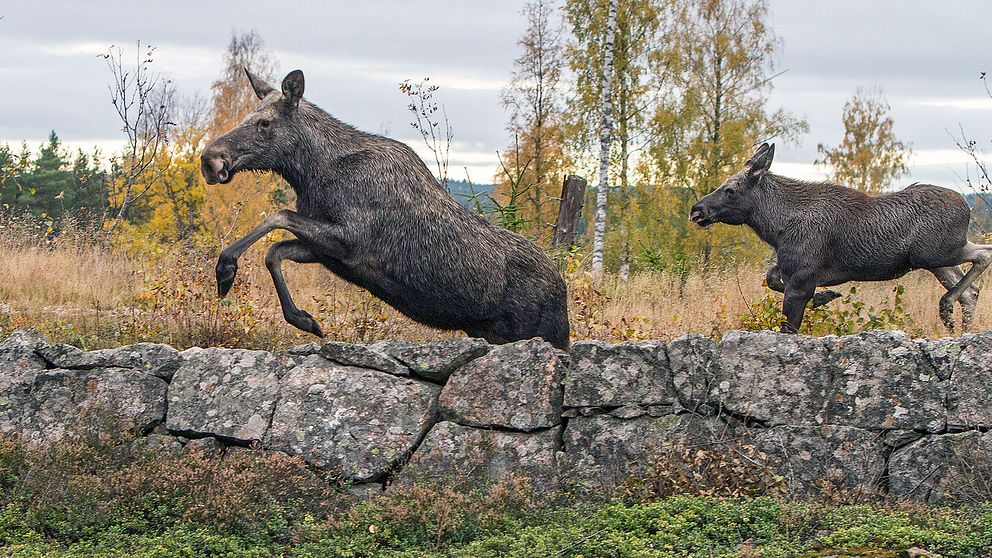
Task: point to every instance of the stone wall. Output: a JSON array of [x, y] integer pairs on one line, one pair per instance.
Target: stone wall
[[876, 411]]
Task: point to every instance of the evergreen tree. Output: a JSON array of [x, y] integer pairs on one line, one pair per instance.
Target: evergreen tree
[[49, 187], [9, 186], [91, 187]]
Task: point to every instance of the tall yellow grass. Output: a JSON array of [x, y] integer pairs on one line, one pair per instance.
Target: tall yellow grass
[[83, 292]]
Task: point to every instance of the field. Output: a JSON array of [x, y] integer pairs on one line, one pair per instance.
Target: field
[[83, 292]]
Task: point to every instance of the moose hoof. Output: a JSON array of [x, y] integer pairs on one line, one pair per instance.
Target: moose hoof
[[787, 328], [823, 297], [302, 320], [947, 312], [226, 270]]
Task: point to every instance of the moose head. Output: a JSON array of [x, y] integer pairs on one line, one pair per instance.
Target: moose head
[[733, 202], [263, 138]]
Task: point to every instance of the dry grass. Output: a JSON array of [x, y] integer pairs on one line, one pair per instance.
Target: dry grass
[[66, 275], [81, 292]]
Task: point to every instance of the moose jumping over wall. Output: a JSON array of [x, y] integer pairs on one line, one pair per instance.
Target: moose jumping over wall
[[825, 234], [369, 210]]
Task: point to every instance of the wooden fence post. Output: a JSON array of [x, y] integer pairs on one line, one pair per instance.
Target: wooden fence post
[[573, 191]]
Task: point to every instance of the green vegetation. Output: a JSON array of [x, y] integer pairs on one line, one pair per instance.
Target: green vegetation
[[677, 526], [97, 498], [53, 184], [847, 316]]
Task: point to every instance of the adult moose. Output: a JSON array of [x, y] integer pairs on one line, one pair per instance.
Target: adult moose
[[368, 210], [826, 234]]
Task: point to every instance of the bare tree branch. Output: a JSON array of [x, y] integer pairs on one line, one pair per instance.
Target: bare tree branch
[[142, 101]]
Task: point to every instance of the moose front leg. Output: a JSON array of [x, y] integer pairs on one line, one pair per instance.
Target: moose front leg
[[776, 282], [323, 236], [798, 291], [294, 251]]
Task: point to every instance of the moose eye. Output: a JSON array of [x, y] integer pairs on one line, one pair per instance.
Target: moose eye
[[264, 124], [731, 191]]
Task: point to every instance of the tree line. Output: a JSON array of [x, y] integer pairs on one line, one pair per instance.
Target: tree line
[[54, 183]]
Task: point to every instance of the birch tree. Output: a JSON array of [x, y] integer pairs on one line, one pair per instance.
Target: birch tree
[[635, 26], [606, 129], [870, 156]]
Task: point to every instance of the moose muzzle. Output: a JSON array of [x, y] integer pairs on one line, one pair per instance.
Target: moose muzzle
[[216, 167], [698, 215]]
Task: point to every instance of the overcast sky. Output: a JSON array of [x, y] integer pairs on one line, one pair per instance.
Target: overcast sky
[[926, 55]]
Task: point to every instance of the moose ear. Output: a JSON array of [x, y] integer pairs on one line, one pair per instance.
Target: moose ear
[[761, 161], [292, 88], [258, 85]]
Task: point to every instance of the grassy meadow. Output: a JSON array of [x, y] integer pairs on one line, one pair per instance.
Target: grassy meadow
[[81, 291]]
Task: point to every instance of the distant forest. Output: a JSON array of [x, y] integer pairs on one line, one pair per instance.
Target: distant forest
[[981, 212], [472, 196]]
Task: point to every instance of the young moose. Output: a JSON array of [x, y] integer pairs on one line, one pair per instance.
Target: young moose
[[826, 234], [368, 209]]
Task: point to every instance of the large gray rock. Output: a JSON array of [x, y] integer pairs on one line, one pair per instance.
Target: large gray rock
[[601, 452], [21, 344], [363, 356], [772, 377], [304, 350], [464, 456], [517, 385], [356, 423], [226, 393], [967, 363], [68, 403], [940, 468], [436, 361], [882, 380], [152, 358], [603, 375], [19, 364], [694, 372], [824, 458]]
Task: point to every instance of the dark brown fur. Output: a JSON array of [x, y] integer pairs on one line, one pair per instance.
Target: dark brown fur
[[826, 234], [370, 211]]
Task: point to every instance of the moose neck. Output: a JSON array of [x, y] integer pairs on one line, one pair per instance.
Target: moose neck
[[778, 200], [321, 138]]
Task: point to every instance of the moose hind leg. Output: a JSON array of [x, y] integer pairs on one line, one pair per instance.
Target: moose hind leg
[[774, 279], [969, 306], [948, 277], [980, 256], [823, 297], [294, 251]]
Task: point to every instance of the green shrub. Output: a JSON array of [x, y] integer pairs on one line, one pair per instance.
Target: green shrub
[[104, 498], [845, 316]]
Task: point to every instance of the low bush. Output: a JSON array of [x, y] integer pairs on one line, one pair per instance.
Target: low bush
[[115, 497]]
